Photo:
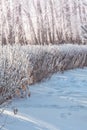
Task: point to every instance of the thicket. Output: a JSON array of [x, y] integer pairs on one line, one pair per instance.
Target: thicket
[[26, 65]]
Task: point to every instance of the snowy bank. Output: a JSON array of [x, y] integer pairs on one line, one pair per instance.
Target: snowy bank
[[24, 65]]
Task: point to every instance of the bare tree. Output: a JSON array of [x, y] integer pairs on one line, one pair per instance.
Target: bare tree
[[39, 22], [84, 27]]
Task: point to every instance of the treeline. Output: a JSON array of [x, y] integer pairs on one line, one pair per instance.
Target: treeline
[[42, 21]]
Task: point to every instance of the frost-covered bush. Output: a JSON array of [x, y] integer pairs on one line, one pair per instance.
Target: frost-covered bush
[[25, 65], [47, 60], [13, 71]]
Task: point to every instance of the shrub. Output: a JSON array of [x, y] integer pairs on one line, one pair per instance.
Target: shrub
[[26, 65]]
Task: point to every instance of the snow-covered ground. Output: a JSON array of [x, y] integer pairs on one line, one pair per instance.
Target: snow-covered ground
[[59, 103]]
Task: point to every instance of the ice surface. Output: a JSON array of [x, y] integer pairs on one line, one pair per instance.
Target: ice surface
[[59, 103]]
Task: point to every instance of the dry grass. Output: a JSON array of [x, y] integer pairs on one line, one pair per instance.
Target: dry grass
[[24, 65]]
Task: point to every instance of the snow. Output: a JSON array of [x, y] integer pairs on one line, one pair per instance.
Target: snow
[[58, 103]]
